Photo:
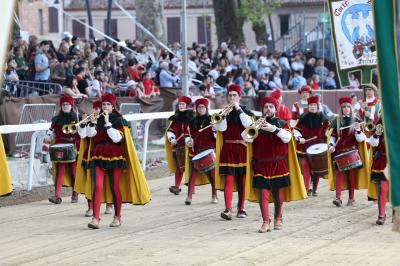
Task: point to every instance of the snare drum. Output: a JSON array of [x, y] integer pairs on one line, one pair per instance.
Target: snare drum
[[348, 160], [63, 153], [318, 157], [180, 157], [204, 161]]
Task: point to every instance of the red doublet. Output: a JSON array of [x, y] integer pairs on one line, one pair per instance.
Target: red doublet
[[233, 153], [379, 161], [346, 142], [179, 128], [106, 153], [270, 164], [202, 140], [308, 133]]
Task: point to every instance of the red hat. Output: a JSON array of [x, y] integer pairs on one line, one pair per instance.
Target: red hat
[[110, 98], [269, 99], [202, 101], [276, 94], [235, 87], [66, 99], [313, 99], [184, 99], [345, 99], [97, 104], [305, 88]]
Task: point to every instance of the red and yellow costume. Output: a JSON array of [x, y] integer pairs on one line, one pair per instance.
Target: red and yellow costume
[[343, 141], [310, 125], [176, 131], [202, 141], [112, 153], [231, 155], [64, 173], [5, 178], [275, 173], [301, 106]]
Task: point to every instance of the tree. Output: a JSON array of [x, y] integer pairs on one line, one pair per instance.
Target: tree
[[255, 11], [228, 22], [150, 15]]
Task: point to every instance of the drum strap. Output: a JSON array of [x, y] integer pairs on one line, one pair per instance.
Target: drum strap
[[268, 160]]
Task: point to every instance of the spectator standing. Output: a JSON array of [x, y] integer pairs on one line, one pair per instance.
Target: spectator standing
[[42, 69], [297, 81], [167, 80]]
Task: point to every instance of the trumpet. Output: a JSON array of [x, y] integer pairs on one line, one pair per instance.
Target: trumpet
[[349, 126], [218, 117], [369, 126], [251, 132], [72, 128]]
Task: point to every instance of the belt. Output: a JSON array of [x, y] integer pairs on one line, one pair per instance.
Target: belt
[[267, 160], [235, 142], [103, 144]]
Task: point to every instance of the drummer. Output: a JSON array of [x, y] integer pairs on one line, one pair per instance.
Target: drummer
[[64, 173], [342, 141], [175, 140], [200, 141], [271, 174], [310, 129], [301, 105]]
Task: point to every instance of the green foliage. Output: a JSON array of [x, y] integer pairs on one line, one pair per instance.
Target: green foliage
[[256, 10]]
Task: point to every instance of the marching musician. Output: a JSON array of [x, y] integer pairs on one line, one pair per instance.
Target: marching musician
[[370, 106], [380, 184], [270, 165], [346, 135], [113, 155], [64, 173], [175, 141], [82, 172], [231, 153], [301, 106], [310, 129], [200, 139], [282, 112]]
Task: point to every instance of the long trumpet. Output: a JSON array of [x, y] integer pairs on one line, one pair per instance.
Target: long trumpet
[[218, 117], [251, 132], [350, 126], [370, 126], [72, 128]]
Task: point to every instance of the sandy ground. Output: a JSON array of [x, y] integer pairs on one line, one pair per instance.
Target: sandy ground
[[166, 232]]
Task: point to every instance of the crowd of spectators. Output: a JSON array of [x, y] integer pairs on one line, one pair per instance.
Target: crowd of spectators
[[89, 68]]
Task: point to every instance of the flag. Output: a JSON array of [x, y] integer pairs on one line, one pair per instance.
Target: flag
[[387, 24]]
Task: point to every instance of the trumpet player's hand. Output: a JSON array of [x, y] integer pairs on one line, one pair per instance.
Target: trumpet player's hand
[[331, 149], [357, 126], [106, 117], [237, 106], [302, 140], [268, 127], [379, 129]]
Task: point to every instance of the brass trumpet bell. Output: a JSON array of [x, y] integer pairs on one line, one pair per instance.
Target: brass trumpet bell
[[69, 129], [370, 126], [218, 117], [251, 132]]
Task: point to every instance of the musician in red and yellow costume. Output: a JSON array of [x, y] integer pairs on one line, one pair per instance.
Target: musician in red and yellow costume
[[370, 106], [82, 170], [301, 106], [230, 171], [275, 175], [346, 136], [282, 111], [64, 173], [175, 141], [379, 185], [311, 128], [113, 155], [5, 178], [200, 138]]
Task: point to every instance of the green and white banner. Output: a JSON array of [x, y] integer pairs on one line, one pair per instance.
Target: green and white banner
[[387, 26], [354, 39]]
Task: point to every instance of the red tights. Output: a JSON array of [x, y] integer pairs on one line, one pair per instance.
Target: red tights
[[383, 188], [264, 200], [192, 182], [228, 191], [352, 183], [98, 178], [61, 168]]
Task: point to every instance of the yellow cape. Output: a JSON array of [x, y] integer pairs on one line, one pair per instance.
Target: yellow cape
[[5, 177], [296, 190], [169, 154], [363, 174], [133, 183]]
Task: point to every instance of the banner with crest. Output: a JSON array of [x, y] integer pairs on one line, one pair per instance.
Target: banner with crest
[[354, 38]]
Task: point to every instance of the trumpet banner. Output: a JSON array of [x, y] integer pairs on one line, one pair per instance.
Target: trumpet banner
[[387, 25], [354, 39]]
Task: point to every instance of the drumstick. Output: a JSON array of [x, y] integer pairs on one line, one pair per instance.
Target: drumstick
[[204, 128], [188, 128], [337, 141], [310, 139], [179, 137]]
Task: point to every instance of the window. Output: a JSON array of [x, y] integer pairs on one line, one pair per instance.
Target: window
[[174, 29], [284, 23], [78, 29], [203, 29], [53, 19], [114, 28]]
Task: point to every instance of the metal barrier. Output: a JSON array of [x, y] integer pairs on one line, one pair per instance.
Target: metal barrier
[[32, 113], [25, 88]]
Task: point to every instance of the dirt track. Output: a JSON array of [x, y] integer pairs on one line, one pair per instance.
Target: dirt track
[[166, 232]]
